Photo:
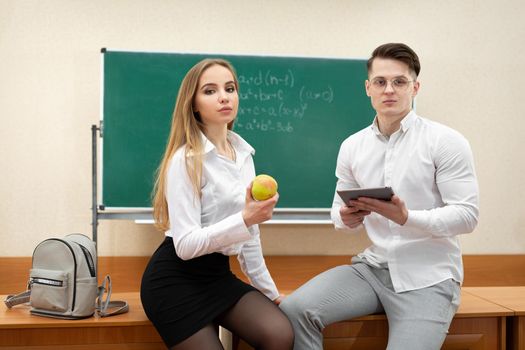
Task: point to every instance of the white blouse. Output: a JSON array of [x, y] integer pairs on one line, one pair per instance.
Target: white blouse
[[214, 222]]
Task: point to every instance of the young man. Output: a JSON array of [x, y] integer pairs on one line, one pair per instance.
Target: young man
[[413, 269]]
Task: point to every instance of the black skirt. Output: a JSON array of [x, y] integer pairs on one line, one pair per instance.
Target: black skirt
[[180, 297]]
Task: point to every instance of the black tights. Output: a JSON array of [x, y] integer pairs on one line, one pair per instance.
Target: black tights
[[255, 319]]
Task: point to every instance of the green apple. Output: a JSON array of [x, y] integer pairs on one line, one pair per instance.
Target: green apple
[[263, 187]]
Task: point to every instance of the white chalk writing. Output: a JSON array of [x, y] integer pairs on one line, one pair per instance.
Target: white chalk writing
[[272, 101], [263, 124]]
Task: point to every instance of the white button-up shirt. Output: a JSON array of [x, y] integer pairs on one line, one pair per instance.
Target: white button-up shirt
[[430, 167], [214, 222]]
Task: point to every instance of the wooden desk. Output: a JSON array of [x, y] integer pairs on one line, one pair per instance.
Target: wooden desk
[[479, 324], [132, 330], [512, 298], [488, 318]]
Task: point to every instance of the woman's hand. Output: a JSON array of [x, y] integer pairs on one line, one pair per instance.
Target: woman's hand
[[256, 212], [279, 299]]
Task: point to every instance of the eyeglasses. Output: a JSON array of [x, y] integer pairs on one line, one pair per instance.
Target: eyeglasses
[[398, 84]]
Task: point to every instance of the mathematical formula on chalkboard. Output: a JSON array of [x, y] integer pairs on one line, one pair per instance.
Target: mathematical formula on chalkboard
[[274, 101]]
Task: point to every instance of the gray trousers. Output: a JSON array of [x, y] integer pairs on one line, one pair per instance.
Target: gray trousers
[[417, 319]]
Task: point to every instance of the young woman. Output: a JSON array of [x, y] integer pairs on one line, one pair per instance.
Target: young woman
[[203, 203]]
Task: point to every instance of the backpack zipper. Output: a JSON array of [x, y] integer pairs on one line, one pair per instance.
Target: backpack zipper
[[89, 260], [47, 281]]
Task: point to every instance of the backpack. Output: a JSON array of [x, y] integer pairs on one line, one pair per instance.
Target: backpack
[[63, 281]]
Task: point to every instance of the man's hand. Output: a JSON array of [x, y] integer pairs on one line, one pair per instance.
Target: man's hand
[[352, 216], [394, 210]]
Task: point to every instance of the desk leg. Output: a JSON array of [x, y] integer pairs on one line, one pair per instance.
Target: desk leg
[[518, 333]]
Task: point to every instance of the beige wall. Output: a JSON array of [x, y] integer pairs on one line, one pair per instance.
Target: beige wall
[[472, 52]]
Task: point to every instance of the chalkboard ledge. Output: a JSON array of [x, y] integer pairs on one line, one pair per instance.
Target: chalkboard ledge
[[319, 216]]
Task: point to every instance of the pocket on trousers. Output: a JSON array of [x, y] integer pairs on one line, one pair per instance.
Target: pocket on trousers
[[456, 294]]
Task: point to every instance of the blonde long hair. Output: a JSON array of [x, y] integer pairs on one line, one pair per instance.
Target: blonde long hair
[[186, 129]]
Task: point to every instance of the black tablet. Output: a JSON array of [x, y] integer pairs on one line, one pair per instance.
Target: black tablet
[[383, 193]]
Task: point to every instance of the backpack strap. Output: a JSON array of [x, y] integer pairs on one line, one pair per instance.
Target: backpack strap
[[102, 305], [15, 299]]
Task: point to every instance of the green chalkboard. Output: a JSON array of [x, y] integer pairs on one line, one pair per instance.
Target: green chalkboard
[[295, 112]]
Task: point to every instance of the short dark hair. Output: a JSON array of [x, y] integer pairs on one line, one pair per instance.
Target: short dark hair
[[398, 52]]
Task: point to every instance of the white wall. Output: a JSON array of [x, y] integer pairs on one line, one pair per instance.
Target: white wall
[[472, 79]]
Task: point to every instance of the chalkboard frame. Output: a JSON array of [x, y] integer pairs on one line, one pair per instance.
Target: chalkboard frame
[[295, 213]]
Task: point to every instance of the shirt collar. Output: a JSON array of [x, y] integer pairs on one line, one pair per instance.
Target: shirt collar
[[375, 127], [406, 123], [239, 144], [208, 145]]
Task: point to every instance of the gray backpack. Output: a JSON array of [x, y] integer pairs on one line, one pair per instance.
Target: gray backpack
[[63, 281]]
